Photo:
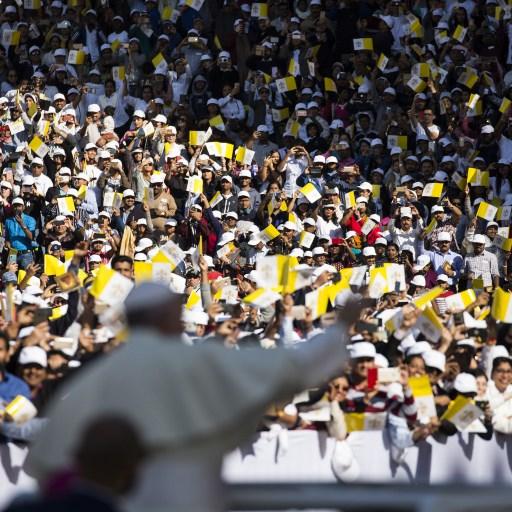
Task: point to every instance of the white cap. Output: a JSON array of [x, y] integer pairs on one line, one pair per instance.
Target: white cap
[[419, 348], [128, 193], [381, 241], [95, 258], [331, 160], [437, 209], [444, 236], [245, 174], [369, 251], [28, 181], [375, 218], [435, 359], [487, 129], [478, 239], [226, 237], [157, 178], [361, 199], [297, 252], [362, 349], [37, 161], [94, 108], [350, 234], [18, 200], [171, 222], [443, 278], [139, 113], [233, 215], [309, 221], [365, 186], [226, 177], [465, 383], [290, 225], [144, 243], [319, 159], [142, 222], [422, 261], [419, 281], [405, 211], [33, 355], [318, 251]]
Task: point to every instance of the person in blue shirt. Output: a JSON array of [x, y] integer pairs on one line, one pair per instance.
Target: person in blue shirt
[[20, 232], [10, 385]]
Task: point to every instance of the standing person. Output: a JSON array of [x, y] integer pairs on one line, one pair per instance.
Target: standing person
[[481, 264], [20, 233]]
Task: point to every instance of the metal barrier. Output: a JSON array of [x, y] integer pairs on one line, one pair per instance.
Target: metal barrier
[[375, 497]]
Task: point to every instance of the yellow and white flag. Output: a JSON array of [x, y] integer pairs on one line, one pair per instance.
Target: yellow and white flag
[[423, 396], [286, 84], [486, 211], [244, 155], [38, 147], [421, 69], [306, 239], [397, 141], [504, 213], [259, 10], [460, 33], [318, 301], [66, 205], [433, 190], [269, 233], [310, 192], [382, 62], [196, 138], [194, 301], [280, 114], [460, 301], [505, 244], [468, 78], [10, 37], [217, 122], [76, 57], [159, 60], [459, 180], [110, 286], [118, 73], [462, 412], [221, 149], [195, 184], [262, 298], [53, 266], [477, 177], [473, 100], [293, 67], [423, 300], [417, 84], [430, 325], [350, 199], [501, 309], [359, 421], [363, 43]]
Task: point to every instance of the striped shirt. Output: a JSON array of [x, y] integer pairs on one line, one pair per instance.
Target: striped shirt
[[484, 265]]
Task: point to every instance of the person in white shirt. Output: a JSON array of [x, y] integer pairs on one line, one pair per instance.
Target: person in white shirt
[[37, 177], [327, 223], [499, 392], [230, 107], [406, 233]]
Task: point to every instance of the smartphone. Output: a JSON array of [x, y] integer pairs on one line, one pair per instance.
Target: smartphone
[[193, 39], [366, 326], [316, 171], [45, 104], [302, 113], [41, 315]]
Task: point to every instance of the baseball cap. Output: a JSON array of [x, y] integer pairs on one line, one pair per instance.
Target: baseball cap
[[33, 355], [362, 349]]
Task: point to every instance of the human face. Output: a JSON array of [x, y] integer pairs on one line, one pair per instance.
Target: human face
[[137, 122], [33, 374], [391, 252], [502, 376], [195, 214], [338, 389], [444, 246], [433, 375], [416, 367], [328, 213], [481, 386], [4, 353], [405, 223], [478, 248], [124, 268], [361, 366]]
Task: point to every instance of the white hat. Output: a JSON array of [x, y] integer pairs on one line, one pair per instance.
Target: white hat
[[262, 128], [419, 348], [444, 236], [227, 178], [142, 222], [375, 218], [245, 174], [224, 55], [140, 256], [465, 383], [144, 243], [437, 208], [18, 200], [422, 261], [94, 108], [33, 355], [160, 118], [37, 161], [28, 181], [466, 342], [104, 155], [6, 184], [350, 234], [244, 193], [128, 193], [199, 208], [478, 239], [297, 252], [389, 90], [435, 359], [362, 349], [487, 129], [233, 215], [443, 278], [319, 159], [419, 281], [318, 251], [418, 184], [309, 221], [369, 251], [290, 225], [157, 178], [171, 222], [365, 186], [139, 113], [95, 258], [440, 176], [395, 150], [90, 146], [226, 237], [331, 160], [405, 211], [381, 241]]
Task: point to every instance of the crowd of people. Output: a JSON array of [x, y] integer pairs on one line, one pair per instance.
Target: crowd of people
[[267, 162]]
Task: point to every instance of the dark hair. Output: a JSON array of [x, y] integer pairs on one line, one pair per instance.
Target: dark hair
[[500, 360], [121, 259]]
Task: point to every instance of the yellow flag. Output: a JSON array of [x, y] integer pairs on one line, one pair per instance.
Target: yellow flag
[[486, 211], [501, 309], [193, 300], [269, 233], [53, 266], [286, 84], [365, 43], [158, 60], [505, 105], [433, 190], [330, 85]]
